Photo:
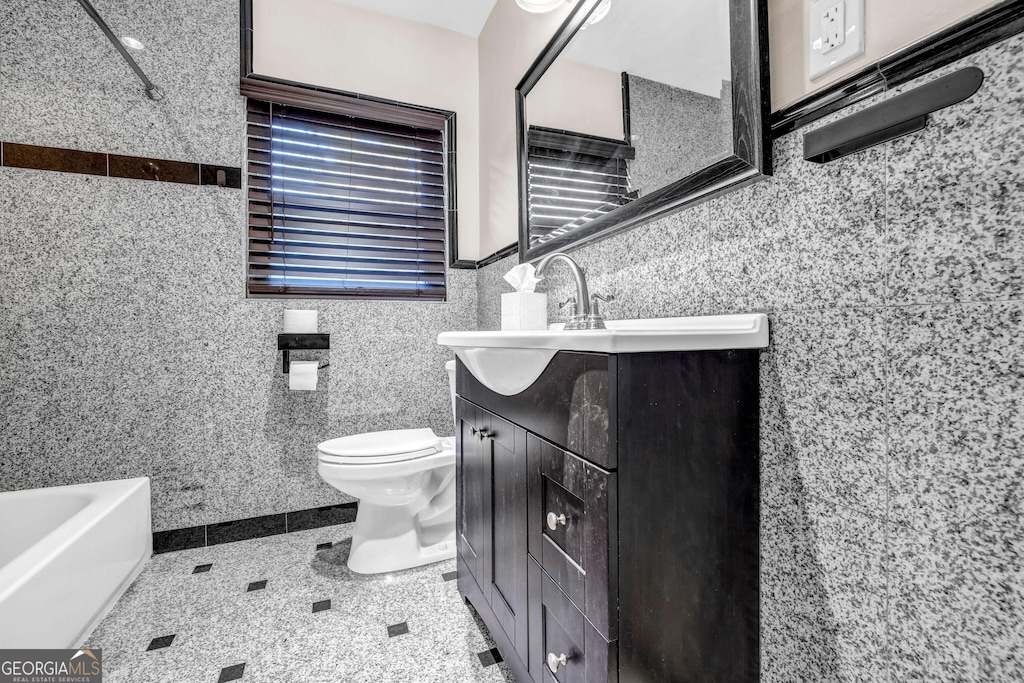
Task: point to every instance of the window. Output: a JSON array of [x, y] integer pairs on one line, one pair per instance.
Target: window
[[348, 196], [573, 179]]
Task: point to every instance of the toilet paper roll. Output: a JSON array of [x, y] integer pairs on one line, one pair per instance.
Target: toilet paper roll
[[300, 321], [302, 375]]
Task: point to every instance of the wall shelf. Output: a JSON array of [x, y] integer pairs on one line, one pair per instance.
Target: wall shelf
[[893, 118]]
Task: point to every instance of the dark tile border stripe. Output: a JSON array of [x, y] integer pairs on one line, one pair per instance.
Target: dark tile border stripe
[[956, 42], [15, 155], [252, 527]]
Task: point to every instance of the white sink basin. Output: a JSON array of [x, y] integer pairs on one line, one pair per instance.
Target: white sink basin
[[509, 362]]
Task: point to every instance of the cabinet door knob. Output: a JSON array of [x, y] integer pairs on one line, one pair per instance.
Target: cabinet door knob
[[472, 430], [555, 662], [482, 434], [553, 522]]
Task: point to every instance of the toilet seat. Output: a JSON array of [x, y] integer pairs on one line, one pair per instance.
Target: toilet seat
[[378, 448]]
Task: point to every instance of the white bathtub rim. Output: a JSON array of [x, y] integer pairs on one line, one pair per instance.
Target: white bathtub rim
[[25, 566]]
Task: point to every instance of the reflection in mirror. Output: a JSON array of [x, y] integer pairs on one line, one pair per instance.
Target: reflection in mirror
[[636, 101]]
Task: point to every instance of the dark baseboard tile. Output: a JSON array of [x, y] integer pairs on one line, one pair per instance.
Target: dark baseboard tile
[[15, 155], [179, 539], [303, 520], [245, 529], [252, 527]]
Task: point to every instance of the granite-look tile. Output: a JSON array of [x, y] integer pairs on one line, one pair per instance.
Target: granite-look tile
[[111, 112], [957, 601], [671, 130], [823, 610], [216, 623], [150, 361], [677, 249], [956, 412], [811, 236], [955, 191], [823, 378]]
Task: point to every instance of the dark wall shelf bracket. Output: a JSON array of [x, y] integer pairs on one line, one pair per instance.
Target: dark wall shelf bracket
[[300, 342], [891, 119]]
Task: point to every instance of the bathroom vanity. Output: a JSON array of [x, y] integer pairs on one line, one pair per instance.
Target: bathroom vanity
[[607, 519]]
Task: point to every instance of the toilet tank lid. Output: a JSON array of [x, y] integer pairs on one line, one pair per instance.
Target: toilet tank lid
[[392, 442]]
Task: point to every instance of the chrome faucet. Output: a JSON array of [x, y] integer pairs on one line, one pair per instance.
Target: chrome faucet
[[584, 313]]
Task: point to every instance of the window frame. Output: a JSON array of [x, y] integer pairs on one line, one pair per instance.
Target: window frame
[[329, 101]]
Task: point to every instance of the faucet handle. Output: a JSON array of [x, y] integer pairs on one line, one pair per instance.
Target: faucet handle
[[571, 303], [595, 311]]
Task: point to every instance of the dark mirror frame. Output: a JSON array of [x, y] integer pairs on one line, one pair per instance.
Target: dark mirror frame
[[751, 155]]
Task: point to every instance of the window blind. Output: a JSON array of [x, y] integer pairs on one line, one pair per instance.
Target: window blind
[[573, 179], [344, 206]]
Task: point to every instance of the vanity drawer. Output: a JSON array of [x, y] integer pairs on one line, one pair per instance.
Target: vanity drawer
[[572, 520], [571, 404], [557, 629]]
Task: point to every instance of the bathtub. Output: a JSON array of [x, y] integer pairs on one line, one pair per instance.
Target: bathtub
[[66, 555]]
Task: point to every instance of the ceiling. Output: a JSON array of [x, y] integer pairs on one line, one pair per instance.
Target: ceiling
[[683, 44], [463, 16]]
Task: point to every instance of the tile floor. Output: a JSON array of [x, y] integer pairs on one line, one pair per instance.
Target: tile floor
[[286, 609]]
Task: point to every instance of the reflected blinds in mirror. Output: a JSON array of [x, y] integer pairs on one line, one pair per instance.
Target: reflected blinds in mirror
[[343, 206], [573, 179]]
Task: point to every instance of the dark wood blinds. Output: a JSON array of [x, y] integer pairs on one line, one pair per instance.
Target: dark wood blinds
[[573, 179], [344, 206]]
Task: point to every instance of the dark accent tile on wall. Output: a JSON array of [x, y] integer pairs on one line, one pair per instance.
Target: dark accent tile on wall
[[256, 586], [53, 159], [232, 175], [202, 569], [179, 539], [324, 546], [398, 629], [322, 516], [244, 529], [321, 605], [154, 169]]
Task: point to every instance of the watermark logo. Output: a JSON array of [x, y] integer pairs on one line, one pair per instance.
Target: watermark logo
[[51, 666]]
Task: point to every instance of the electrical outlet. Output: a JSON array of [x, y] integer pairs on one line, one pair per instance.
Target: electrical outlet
[[833, 27], [835, 34]]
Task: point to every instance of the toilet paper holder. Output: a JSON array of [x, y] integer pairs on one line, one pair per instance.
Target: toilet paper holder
[[301, 342]]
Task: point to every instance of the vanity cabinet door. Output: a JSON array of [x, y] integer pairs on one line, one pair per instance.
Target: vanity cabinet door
[[505, 551], [471, 485]]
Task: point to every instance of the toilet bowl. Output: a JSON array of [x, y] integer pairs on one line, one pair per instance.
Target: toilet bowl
[[405, 482]]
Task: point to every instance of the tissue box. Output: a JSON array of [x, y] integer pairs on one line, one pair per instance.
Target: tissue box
[[524, 311]]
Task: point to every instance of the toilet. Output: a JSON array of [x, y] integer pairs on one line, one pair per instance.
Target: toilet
[[405, 482]]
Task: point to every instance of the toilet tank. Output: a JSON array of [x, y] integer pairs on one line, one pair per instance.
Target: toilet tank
[[450, 367]]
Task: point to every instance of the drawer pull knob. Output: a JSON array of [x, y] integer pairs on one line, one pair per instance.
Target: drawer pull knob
[[482, 434], [555, 662], [553, 522]]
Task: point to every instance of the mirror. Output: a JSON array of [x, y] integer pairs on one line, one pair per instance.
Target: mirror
[[637, 108]]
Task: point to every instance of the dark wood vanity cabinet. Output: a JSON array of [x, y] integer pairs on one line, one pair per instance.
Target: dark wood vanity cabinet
[[609, 513]]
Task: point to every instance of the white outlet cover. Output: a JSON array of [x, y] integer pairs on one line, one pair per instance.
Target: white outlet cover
[[823, 59]]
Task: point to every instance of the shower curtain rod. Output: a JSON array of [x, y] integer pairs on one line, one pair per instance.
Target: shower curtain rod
[[152, 91]]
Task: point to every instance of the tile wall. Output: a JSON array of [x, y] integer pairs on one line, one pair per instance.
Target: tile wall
[[128, 346], [892, 445]]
